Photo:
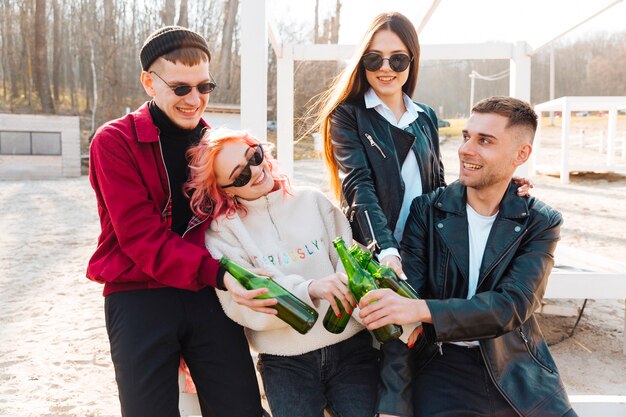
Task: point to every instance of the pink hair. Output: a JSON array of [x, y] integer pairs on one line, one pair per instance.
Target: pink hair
[[206, 197]]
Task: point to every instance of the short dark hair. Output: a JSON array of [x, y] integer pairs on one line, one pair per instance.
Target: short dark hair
[[186, 56], [517, 111]]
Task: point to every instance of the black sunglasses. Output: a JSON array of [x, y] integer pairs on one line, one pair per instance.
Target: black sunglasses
[[246, 173], [182, 90], [397, 62]]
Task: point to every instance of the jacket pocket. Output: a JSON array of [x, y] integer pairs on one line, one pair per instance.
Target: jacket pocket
[[375, 145], [532, 355]]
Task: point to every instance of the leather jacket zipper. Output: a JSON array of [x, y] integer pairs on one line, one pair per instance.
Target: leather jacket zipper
[[374, 242], [532, 355], [482, 279], [445, 276], [375, 145], [169, 187]]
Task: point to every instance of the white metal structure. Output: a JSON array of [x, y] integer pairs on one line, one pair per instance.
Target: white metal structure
[[255, 29], [254, 35], [566, 105], [519, 85], [599, 405]]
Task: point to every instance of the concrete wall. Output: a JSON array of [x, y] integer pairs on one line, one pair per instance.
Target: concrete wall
[[67, 164]]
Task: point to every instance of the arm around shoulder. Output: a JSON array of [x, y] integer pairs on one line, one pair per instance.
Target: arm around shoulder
[[134, 222]]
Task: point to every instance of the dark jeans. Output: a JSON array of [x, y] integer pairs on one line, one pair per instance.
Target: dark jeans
[[456, 384], [149, 330], [342, 378]]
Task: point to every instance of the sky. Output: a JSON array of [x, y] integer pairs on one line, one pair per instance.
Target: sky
[[466, 21]]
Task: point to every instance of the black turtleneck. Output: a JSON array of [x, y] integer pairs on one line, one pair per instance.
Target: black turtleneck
[[174, 142]]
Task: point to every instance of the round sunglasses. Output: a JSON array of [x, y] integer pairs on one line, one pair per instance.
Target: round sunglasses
[[183, 89], [397, 62], [246, 173]]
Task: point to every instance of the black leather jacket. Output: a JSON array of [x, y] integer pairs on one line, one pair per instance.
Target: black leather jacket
[[369, 152], [517, 261]]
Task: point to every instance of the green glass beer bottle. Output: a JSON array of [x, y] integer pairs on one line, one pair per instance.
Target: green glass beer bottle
[[360, 283], [385, 277], [332, 322], [291, 309]]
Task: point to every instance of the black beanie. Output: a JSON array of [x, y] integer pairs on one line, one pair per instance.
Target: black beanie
[[168, 39]]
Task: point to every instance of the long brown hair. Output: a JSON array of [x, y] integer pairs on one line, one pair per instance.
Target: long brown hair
[[351, 84]]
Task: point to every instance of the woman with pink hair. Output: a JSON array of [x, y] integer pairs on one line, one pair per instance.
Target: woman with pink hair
[[260, 221]]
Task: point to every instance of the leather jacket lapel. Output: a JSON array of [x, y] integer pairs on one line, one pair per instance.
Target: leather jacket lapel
[[505, 234], [453, 232], [507, 231], [451, 225]]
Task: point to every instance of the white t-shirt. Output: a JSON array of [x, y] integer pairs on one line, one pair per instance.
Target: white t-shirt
[[478, 231], [410, 171]]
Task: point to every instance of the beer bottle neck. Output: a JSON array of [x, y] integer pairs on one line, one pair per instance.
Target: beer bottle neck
[[349, 262], [240, 273]]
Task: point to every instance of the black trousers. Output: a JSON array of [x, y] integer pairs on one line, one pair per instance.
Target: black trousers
[[456, 384], [149, 330]]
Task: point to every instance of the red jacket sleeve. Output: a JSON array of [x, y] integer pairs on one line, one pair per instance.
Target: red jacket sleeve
[[125, 181]]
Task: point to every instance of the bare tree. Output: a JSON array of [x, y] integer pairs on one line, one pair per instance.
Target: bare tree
[[168, 12], [92, 63], [334, 30], [42, 80], [183, 18], [113, 31], [316, 25], [225, 65], [57, 50]]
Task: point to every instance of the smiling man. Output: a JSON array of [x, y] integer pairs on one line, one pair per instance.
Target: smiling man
[[480, 256], [160, 302]]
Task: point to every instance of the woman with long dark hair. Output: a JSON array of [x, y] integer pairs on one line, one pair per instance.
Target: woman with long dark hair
[[382, 151]]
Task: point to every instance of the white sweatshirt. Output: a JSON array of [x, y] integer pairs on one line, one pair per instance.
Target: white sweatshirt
[[290, 236]]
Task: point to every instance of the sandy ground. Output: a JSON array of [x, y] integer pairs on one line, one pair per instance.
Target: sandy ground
[[54, 352]]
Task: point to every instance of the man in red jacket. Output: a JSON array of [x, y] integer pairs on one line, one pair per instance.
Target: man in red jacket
[[158, 277]]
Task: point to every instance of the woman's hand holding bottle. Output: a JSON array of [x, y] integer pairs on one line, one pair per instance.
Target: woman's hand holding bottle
[[247, 298], [334, 289], [394, 263]]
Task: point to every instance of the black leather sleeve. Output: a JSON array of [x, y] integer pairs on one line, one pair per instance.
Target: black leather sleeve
[[357, 181], [416, 240]]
